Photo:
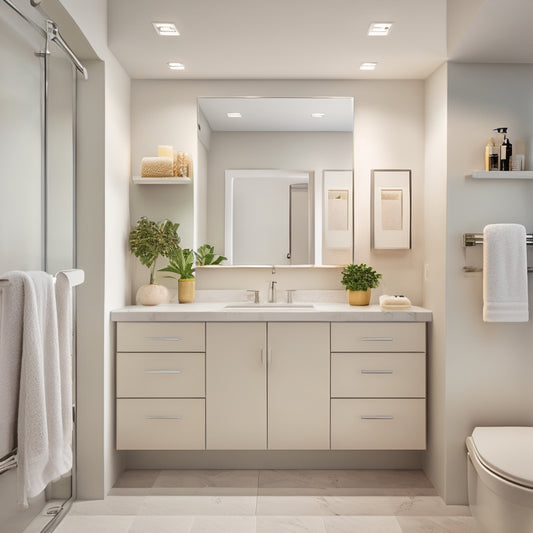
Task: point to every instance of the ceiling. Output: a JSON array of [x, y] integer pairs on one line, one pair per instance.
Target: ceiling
[[315, 39]]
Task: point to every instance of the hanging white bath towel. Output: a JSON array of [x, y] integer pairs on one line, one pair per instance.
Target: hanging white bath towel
[[505, 296], [40, 431]]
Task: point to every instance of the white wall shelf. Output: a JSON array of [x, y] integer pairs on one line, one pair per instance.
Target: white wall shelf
[[506, 175], [138, 180]]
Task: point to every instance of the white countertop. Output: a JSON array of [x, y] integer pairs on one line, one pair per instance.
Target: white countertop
[[217, 312]]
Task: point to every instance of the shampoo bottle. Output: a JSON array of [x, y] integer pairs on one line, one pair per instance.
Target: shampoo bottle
[[506, 150]]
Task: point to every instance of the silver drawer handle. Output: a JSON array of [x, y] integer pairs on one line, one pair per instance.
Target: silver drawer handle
[[377, 417], [162, 371], [377, 339], [163, 338], [376, 371], [163, 417]]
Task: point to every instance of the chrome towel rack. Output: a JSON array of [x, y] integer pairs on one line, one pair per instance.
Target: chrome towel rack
[[474, 239], [75, 275]]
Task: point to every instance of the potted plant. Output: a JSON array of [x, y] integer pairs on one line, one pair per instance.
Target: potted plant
[[182, 262], [148, 240], [359, 279]]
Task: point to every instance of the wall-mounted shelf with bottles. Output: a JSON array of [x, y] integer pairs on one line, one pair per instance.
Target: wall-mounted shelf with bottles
[[506, 175], [138, 180]]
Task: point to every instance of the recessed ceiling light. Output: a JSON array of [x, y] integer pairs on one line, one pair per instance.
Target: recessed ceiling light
[[318, 115], [165, 28], [233, 115], [173, 65], [379, 29], [368, 66]]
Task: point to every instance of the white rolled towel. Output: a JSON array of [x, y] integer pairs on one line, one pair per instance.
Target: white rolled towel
[[157, 167], [391, 303]]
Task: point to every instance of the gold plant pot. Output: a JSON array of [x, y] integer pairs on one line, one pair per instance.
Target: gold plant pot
[[359, 297], [186, 290]]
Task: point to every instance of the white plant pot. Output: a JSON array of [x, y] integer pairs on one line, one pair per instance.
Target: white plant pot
[[152, 294]]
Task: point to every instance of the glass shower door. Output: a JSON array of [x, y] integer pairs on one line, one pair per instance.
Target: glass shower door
[[37, 194]]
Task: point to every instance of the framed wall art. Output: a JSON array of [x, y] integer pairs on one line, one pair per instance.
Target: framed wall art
[[391, 209]]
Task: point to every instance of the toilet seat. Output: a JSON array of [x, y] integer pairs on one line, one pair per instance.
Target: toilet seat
[[507, 452]]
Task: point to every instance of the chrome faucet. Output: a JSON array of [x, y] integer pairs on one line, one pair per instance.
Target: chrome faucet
[[272, 292]]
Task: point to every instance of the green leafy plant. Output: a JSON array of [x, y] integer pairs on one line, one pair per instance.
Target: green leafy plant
[[148, 240], [181, 262], [360, 277], [205, 255]]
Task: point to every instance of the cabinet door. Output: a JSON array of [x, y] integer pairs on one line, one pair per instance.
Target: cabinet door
[[298, 386], [236, 386]]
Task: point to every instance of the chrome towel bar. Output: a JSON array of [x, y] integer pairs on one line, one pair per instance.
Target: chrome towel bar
[[75, 275], [479, 269], [473, 239]]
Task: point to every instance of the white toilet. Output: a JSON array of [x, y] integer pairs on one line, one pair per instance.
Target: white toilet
[[500, 478]]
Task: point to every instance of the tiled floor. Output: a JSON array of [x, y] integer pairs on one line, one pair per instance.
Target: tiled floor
[[269, 501]]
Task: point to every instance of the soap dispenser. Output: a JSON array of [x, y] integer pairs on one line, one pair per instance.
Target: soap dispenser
[[506, 150]]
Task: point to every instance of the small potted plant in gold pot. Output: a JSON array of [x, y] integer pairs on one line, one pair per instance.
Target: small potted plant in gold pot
[[182, 261], [359, 279]]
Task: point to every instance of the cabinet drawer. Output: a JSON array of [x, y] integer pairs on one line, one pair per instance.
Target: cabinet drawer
[[160, 337], [378, 337], [373, 375], [380, 424], [160, 375], [160, 424]]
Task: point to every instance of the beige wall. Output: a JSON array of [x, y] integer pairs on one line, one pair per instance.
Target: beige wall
[[103, 225], [90, 296], [436, 106], [117, 254], [389, 133], [488, 365]]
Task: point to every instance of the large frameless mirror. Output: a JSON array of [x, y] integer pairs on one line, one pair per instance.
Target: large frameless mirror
[[279, 179]]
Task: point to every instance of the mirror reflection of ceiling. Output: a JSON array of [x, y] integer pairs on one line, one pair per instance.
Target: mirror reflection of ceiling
[[313, 39], [278, 114]]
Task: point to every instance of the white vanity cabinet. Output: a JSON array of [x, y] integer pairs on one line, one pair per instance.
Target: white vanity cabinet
[[378, 386], [160, 378], [267, 381], [294, 359], [236, 384]]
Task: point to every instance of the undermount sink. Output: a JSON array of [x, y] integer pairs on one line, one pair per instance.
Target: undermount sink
[[281, 306]]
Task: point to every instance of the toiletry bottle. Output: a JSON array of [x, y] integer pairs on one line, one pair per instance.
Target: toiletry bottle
[[506, 150], [491, 155]]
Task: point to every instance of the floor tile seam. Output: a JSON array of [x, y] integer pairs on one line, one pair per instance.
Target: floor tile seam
[[106, 516], [426, 515]]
